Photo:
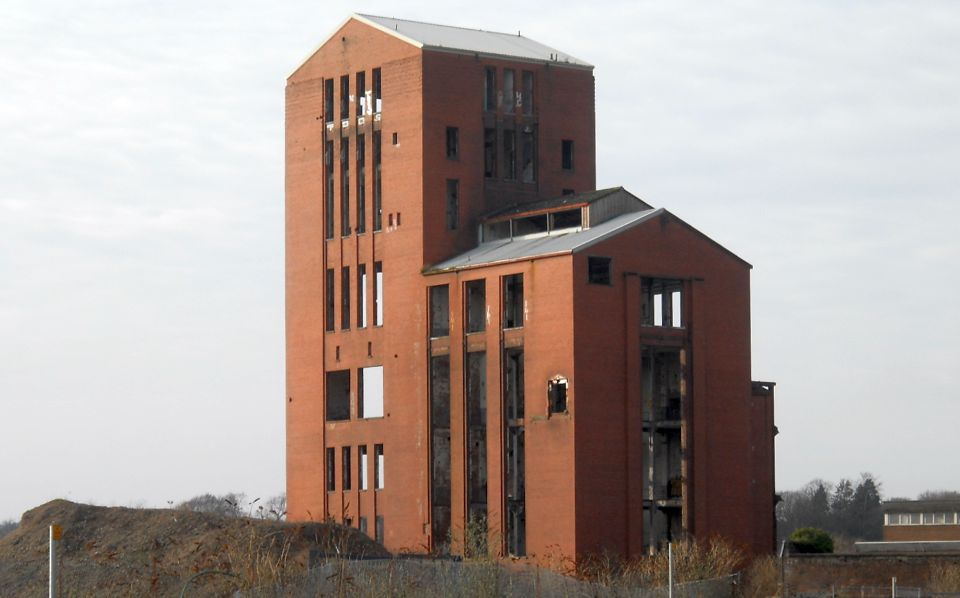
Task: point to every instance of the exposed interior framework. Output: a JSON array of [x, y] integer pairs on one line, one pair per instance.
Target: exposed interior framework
[[514, 473], [440, 488]]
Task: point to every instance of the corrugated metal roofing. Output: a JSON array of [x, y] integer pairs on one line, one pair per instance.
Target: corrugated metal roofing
[[542, 246], [459, 39]]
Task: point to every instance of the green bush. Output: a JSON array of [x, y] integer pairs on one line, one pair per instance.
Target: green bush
[[811, 540]]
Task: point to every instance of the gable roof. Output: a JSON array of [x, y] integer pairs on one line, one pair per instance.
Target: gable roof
[[472, 41]]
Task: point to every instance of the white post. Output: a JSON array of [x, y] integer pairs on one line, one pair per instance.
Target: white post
[[893, 587], [670, 569], [55, 534]]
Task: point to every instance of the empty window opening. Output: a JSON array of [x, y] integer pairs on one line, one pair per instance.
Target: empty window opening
[[453, 142], [490, 88], [345, 298], [361, 86], [329, 301], [453, 204], [566, 219], [370, 392], [566, 154], [440, 485], [328, 113], [509, 100], [346, 471], [396, 138], [377, 184], [567, 192], [662, 302], [476, 292], [345, 97], [378, 468], [598, 270], [345, 187], [529, 155], [361, 183], [439, 311], [338, 395], [530, 225], [527, 98], [489, 153], [476, 408], [331, 471], [378, 294], [362, 296], [377, 96], [557, 395], [514, 452], [363, 525], [509, 154], [496, 231], [513, 301], [328, 199], [379, 530], [362, 473]]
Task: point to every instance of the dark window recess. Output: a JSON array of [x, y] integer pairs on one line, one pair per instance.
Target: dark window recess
[[344, 187], [328, 199], [362, 295], [453, 142], [453, 204], [396, 138], [490, 88], [528, 152], [378, 293], [476, 291], [527, 98], [513, 301], [662, 302], [328, 113], [598, 270], [361, 93], [361, 183], [567, 192], [380, 529], [439, 311], [338, 395], [331, 470], [476, 415], [567, 219], [345, 471], [362, 474], [329, 300], [440, 467], [363, 525], [377, 184], [566, 154], [530, 225], [345, 298], [490, 153], [378, 466], [509, 154], [509, 100], [345, 97], [377, 96], [557, 395], [514, 451]]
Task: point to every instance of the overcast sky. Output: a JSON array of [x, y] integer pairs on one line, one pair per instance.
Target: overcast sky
[[141, 229]]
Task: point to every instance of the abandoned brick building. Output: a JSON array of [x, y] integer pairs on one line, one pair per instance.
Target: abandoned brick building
[[476, 334]]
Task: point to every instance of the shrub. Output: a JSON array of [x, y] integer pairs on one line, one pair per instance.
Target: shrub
[[810, 540]]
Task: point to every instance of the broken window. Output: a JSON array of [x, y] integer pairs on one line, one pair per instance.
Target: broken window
[[328, 189], [662, 302], [361, 84], [363, 525], [361, 184], [528, 152], [379, 530], [345, 298], [378, 294], [338, 395], [514, 452], [476, 408], [377, 184], [495, 231], [453, 204], [527, 98], [370, 392], [567, 192], [440, 470], [345, 186], [362, 296], [557, 395], [453, 142], [331, 472], [513, 301], [490, 88], [377, 102], [345, 470], [344, 97], [566, 154], [508, 91], [328, 100], [378, 467], [439, 311], [329, 301], [476, 291], [598, 270], [530, 225], [566, 219], [362, 474], [509, 154], [490, 153]]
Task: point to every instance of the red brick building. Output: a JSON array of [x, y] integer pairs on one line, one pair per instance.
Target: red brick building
[[474, 334]]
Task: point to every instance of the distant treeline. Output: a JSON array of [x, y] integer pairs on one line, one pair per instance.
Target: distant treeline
[[847, 509]]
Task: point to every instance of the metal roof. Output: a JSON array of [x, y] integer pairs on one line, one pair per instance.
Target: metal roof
[[575, 199], [560, 243], [473, 41]]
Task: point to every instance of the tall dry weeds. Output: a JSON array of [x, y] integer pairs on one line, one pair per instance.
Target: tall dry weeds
[[762, 578], [945, 577]]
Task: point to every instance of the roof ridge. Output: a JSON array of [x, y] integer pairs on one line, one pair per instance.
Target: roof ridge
[[443, 25]]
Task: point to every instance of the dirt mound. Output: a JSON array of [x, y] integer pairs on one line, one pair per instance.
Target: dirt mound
[[116, 551]]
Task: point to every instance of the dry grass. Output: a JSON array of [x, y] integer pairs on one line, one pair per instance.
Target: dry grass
[[692, 561], [945, 577], [761, 579]]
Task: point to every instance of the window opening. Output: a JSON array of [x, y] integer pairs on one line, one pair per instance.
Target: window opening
[[362, 296], [338, 395], [363, 525], [377, 101], [476, 291], [598, 270], [331, 472], [529, 152], [453, 142], [453, 204], [378, 294], [527, 93], [396, 138], [490, 88], [567, 219], [329, 301], [370, 392], [328, 100], [344, 97], [440, 468], [509, 154], [557, 395], [345, 298], [567, 192], [328, 189], [566, 151], [514, 452], [509, 100], [377, 184], [489, 153], [513, 301], [662, 302], [361, 183], [362, 474], [530, 225], [345, 470], [361, 85], [476, 411], [439, 311], [345, 187], [378, 471], [379, 530]]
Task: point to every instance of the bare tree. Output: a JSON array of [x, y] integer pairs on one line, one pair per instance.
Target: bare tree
[[7, 526]]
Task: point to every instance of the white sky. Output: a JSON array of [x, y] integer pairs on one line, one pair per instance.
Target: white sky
[[141, 231]]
